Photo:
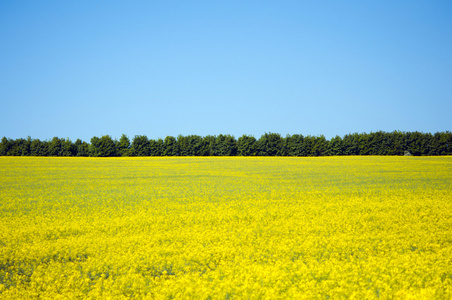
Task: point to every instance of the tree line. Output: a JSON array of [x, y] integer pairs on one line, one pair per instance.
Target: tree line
[[269, 144]]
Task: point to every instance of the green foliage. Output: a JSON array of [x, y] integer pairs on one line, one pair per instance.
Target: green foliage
[[336, 146], [123, 146], [207, 146], [320, 146], [170, 146], [246, 145], [294, 145], [5, 146], [351, 144], [68, 148], [269, 144], [141, 146], [55, 147], [189, 145], [102, 147], [156, 147], [82, 148], [225, 145]]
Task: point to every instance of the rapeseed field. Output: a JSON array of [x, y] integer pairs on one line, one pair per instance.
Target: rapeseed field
[[226, 228]]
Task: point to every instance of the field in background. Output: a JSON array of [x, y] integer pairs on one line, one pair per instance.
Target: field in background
[[270, 228]]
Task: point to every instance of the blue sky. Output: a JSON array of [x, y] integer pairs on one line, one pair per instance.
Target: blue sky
[[78, 69]]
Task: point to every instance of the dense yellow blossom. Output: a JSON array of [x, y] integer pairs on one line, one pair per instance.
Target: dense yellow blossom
[[220, 228]]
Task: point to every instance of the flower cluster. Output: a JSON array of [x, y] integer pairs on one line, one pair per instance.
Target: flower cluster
[[232, 227]]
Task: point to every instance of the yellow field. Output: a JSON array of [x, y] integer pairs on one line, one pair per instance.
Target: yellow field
[[220, 228]]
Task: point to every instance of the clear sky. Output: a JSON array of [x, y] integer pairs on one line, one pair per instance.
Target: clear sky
[[78, 69]]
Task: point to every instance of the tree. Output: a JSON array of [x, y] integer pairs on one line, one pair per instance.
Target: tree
[[335, 146], [67, 148], [376, 143], [225, 145], [103, 147], [246, 145], [19, 147], [156, 147], [269, 144], [38, 148], [182, 144], [319, 146], [442, 143], [351, 144], [25, 149], [446, 138], [55, 147], [94, 147], [395, 145], [170, 146], [5, 146], [193, 145], [308, 145], [231, 143], [413, 142], [82, 148], [140, 145], [363, 144], [123, 145], [295, 145], [207, 146]]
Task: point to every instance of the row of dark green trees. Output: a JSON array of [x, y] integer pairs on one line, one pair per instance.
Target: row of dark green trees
[[269, 144]]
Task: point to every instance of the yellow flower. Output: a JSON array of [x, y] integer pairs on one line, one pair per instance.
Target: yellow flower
[[226, 227]]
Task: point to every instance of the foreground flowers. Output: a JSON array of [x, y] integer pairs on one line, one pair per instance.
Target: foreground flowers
[[271, 228]]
